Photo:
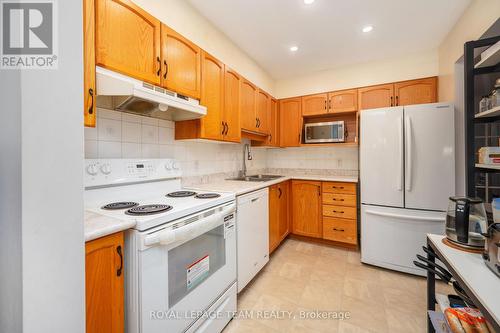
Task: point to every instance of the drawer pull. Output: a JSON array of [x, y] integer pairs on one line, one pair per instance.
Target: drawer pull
[[340, 187], [337, 199], [341, 230], [340, 212]]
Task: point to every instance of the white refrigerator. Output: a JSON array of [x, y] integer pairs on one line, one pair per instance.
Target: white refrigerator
[[407, 174]]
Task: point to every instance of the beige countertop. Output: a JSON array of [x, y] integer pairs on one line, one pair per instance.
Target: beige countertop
[[241, 187], [97, 225]]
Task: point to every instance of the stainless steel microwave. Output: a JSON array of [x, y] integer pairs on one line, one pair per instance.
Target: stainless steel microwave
[[332, 131]]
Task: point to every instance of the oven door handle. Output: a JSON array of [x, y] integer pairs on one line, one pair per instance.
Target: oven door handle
[[169, 236]]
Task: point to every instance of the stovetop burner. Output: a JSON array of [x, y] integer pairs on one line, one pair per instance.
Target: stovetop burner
[[119, 205], [207, 196], [181, 194], [148, 209]]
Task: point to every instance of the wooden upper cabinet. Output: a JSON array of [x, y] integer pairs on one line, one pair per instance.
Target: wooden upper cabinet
[[248, 109], [89, 92], [274, 132], [212, 96], [181, 63], [263, 112], [128, 40], [232, 93], [307, 208], [104, 284], [290, 122], [416, 91], [314, 105], [343, 101], [373, 97]]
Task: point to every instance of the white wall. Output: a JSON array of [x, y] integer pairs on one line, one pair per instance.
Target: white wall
[[122, 135], [183, 18], [476, 19], [10, 203], [53, 265], [388, 70]]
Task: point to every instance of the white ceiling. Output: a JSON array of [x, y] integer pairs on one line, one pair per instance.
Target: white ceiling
[[328, 32]]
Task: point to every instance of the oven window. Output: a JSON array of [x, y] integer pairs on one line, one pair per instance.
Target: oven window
[[193, 262]]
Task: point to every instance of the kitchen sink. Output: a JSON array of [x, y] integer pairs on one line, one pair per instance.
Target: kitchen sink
[[256, 178]]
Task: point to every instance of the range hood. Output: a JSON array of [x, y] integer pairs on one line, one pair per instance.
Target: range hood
[[123, 93]]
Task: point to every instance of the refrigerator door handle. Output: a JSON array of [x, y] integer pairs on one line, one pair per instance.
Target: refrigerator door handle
[[407, 217], [400, 154], [409, 155]]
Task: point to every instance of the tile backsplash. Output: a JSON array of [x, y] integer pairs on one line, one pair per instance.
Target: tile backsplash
[[122, 135]]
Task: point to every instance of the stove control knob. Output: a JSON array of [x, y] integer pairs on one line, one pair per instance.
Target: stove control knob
[[106, 169], [168, 166], [92, 169], [175, 166]]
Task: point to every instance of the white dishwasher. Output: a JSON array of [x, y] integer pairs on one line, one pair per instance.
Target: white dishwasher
[[252, 228]]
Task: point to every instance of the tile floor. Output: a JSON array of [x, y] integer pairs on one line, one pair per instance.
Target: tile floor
[[303, 277]]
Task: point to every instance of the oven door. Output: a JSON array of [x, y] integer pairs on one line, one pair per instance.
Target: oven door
[[325, 132], [189, 266]]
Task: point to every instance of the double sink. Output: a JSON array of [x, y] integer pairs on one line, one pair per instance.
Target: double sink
[[256, 178]]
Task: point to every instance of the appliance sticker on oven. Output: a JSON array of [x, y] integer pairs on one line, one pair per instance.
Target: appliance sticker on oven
[[197, 271]]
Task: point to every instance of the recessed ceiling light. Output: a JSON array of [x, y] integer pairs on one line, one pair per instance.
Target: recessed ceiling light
[[308, 2], [294, 48], [368, 28]]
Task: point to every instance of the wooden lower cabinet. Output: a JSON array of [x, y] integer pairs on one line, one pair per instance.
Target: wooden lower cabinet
[[326, 210], [279, 222], [104, 284], [306, 208], [340, 230]]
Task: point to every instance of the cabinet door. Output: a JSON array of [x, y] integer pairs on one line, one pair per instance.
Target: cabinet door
[[284, 206], [263, 112], [104, 284], [306, 206], [89, 63], [274, 218], [416, 91], [343, 101], [314, 105], [128, 40], [274, 137], [181, 61], [212, 96], [248, 106], [374, 97], [232, 93], [290, 122]]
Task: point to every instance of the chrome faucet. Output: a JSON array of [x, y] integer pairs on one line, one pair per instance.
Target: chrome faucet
[[246, 155]]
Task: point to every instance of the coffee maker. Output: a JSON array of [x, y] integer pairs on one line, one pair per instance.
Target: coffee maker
[[466, 222]]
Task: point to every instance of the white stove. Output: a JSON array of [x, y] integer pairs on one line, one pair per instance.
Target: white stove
[[143, 182], [180, 258]]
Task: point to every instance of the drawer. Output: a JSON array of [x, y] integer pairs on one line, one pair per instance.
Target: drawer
[[340, 230], [338, 187], [339, 199], [340, 211]]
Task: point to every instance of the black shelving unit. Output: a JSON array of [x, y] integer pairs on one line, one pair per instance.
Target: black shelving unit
[[480, 181]]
